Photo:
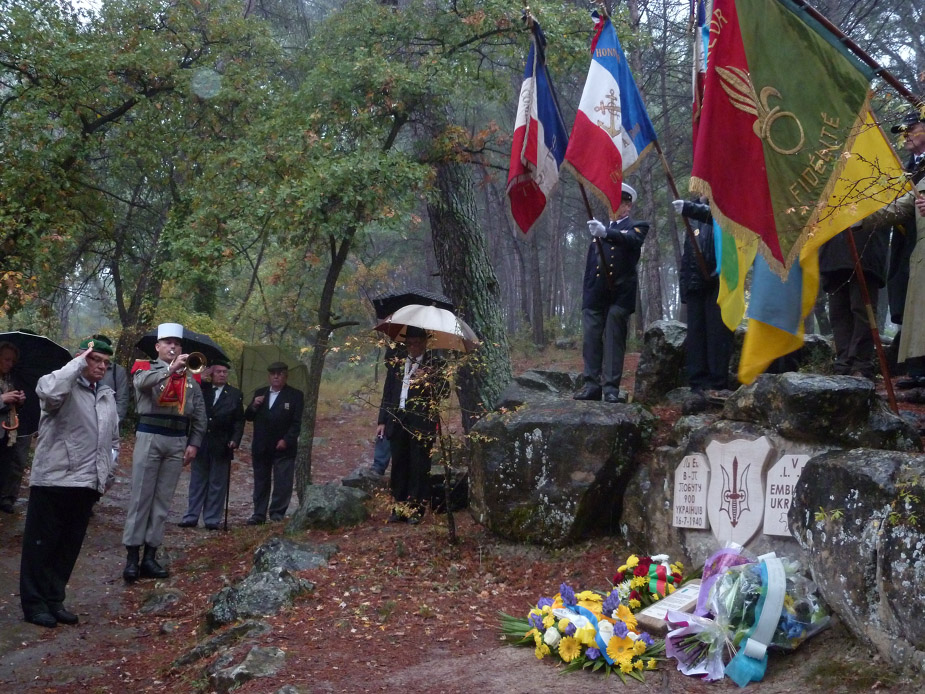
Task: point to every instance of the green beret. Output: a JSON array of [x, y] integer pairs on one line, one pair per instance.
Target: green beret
[[98, 346], [221, 362]]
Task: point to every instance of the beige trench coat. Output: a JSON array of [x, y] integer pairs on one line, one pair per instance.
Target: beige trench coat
[[912, 340]]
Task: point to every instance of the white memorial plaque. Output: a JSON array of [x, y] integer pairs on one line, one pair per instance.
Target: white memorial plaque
[[735, 499], [782, 480], [689, 504]]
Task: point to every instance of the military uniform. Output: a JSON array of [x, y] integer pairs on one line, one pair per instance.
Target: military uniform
[[162, 437]]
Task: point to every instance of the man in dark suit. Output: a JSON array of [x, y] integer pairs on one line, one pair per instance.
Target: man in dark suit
[[276, 412], [609, 299], [409, 416], [210, 473]]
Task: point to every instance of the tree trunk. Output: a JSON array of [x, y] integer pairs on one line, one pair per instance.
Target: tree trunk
[[469, 280], [303, 465]]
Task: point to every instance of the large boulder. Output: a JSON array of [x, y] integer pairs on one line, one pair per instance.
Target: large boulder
[[799, 414], [328, 507], [860, 515], [841, 411], [661, 362], [534, 385], [554, 470]]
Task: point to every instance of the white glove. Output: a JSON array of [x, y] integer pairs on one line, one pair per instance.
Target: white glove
[[596, 229], [678, 205]]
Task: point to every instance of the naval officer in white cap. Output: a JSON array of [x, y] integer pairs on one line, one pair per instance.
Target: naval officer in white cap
[[171, 424], [609, 299]]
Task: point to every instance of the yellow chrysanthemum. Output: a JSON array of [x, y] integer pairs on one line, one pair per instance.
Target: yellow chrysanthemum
[[586, 635], [537, 636], [625, 615], [626, 666], [632, 562], [637, 664], [639, 647], [592, 606], [620, 648], [541, 651], [546, 609], [569, 648], [635, 604], [671, 588], [589, 595], [638, 582], [563, 625], [548, 621], [650, 664]]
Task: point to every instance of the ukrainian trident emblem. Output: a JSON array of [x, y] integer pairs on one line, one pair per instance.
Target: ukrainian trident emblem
[[735, 496]]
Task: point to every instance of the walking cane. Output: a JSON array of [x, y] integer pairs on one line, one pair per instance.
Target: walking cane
[[228, 491]]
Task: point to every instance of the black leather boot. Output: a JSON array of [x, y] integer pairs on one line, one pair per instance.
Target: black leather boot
[[149, 566], [131, 572]]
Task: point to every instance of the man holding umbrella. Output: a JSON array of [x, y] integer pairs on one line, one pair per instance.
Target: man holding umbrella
[[171, 426], [211, 470], [409, 417], [13, 446]]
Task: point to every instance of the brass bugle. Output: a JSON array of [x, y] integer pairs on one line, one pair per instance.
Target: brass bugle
[[196, 362]]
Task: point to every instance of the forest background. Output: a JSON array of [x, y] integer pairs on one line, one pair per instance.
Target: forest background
[[258, 170]]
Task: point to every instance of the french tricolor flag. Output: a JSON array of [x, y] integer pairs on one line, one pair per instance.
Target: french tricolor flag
[[539, 143], [612, 130]]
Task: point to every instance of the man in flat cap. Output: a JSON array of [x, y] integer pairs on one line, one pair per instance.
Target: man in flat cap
[[609, 299], [903, 240], [210, 473], [74, 464], [171, 426], [276, 411]]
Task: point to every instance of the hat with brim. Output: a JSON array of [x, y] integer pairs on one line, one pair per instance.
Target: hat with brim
[[278, 366], [165, 330], [221, 362], [96, 345], [629, 190], [413, 331], [908, 121]]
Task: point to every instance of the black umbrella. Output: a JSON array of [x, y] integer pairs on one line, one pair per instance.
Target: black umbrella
[[38, 355], [388, 303], [191, 342]]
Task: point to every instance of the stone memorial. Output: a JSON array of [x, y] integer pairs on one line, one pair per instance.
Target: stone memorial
[[781, 484], [689, 506], [735, 497]]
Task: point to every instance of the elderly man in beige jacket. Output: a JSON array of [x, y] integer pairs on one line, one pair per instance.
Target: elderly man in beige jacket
[[912, 338], [74, 464]]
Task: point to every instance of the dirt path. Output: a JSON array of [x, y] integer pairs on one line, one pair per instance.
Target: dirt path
[[395, 611]]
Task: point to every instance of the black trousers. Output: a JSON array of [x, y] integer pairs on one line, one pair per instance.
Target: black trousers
[[411, 466], [56, 524], [709, 342]]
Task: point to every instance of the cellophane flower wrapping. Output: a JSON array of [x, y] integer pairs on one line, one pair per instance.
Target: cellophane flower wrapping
[[734, 599], [697, 643]]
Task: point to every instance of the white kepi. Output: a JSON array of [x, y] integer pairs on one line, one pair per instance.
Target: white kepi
[[169, 330]]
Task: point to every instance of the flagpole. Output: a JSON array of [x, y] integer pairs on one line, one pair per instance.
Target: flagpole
[[872, 320], [541, 57], [698, 255], [881, 71]]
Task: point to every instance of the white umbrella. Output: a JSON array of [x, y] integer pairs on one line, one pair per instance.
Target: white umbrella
[[447, 331]]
